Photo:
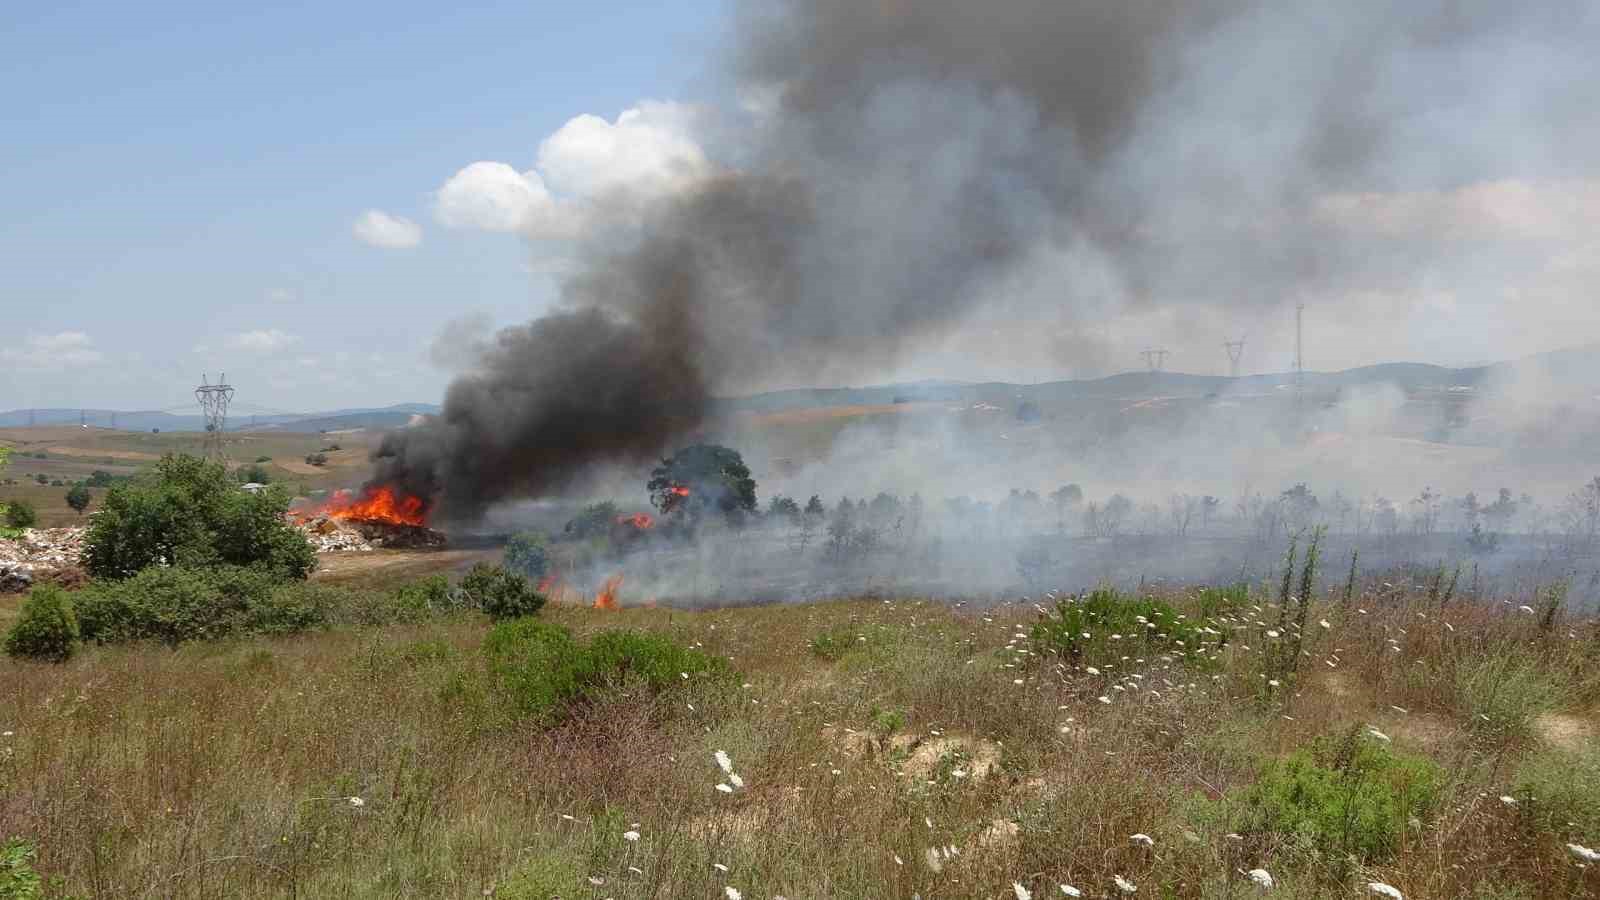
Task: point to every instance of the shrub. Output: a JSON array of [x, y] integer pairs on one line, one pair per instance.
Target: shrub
[[1560, 789], [190, 513], [47, 628], [18, 880], [1147, 624], [21, 514], [526, 553], [501, 593], [1353, 796], [541, 669], [78, 498], [173, 604], [1500, 694]]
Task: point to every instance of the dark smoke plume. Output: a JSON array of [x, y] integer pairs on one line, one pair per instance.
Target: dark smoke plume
[[928, 157]]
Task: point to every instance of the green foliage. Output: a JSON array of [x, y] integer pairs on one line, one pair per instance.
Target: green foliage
[[430, 595], [47, 629], [595, 520], [18, 881], [1560, 789], [20, 514], [174, 604], [541, 669], [1145, 625], [544, 874], [701, 479], [188, 512], [1348, 797], [254, 473], [527, 552], [1500, 694], [101, 478], [500, 593], [78, 498], [1215, 602]]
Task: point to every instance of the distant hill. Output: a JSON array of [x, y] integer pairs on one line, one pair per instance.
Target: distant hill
[[142, 420]]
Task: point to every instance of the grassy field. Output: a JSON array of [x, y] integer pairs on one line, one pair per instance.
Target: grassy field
[[71, 453], [883, 748]]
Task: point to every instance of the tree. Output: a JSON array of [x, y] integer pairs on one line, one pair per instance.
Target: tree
[[500, 593], [100, 478], [1500, 513], [1300, 506], [1208, 508], [1065, 498], [47, 629], [1427, 505], [255, 473], [78, 498], [1114, 515], [783, 509], [5, 458], [527, 552], [189, 512], [593, 520], [701, 479]]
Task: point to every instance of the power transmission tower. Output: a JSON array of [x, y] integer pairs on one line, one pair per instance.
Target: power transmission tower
[[31, 413], [214, 406], [1156, 360], [83, 418], [1235, 353]]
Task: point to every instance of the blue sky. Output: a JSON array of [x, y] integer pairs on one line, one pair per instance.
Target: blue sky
[[178, 174], [310, 195]]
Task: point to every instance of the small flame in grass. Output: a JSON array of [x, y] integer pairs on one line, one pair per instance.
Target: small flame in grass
[[607, 597], [641, 521]]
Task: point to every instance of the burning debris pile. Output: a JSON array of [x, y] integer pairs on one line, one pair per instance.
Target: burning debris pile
[[38, 550], [377, 517]]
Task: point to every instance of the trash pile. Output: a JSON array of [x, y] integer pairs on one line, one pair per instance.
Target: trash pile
[[38, 550], [331, 535]]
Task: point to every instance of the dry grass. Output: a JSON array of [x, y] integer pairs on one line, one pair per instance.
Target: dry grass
[[226, 769]]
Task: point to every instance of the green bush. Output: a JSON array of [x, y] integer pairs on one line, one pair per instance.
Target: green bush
[[18, 880], [541, 669], [1350, 797], [501, 593], [47, 628], [527, 553], [21, 514], [174, 604], [1116, 625], [1560, 789], [188, 512]]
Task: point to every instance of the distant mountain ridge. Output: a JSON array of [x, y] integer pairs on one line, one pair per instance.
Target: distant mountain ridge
[[144, 420]]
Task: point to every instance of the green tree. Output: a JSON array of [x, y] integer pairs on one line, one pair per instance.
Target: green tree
[[78, 498], [781, 508], [528, 553], [594, 520], [188, 511], [100, 478], [21, 514], [5, 458], [47, 628], [500, 593], [255, 473], [701, 479]]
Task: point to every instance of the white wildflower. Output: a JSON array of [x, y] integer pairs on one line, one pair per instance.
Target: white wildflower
[[1091, 670], [1526, 609], [1021, 892], [733, 893], [726, 789], [1071, 891], [357, 802], [1385, 890], [735, 780], [1508, 800], [932, 858], [719, 867], [723, 761], [1376, 734], [1584, 853], [1105, 700], [1325, 625], [1261, 878], [1124, 885], [1142, 838], [596, 881], [630, 835]]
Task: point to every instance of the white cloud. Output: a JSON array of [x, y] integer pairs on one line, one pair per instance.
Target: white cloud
[[649, 147], [52, 352], [280, 295], [268, 340], [492, 196], [379, 229]]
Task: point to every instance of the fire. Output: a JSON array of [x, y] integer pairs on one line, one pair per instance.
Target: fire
[[680, 491], [375, 504], [640, 521], [607, 598]]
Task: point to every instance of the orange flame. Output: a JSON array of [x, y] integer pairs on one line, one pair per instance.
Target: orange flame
[[680, 491], [547, 582], [640, 521], [607, 598], [379, 504]]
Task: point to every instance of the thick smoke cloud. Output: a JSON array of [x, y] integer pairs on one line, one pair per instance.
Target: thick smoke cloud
[[927, 161]]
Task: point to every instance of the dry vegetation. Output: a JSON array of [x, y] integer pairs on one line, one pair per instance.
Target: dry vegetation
[[886, 749]]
